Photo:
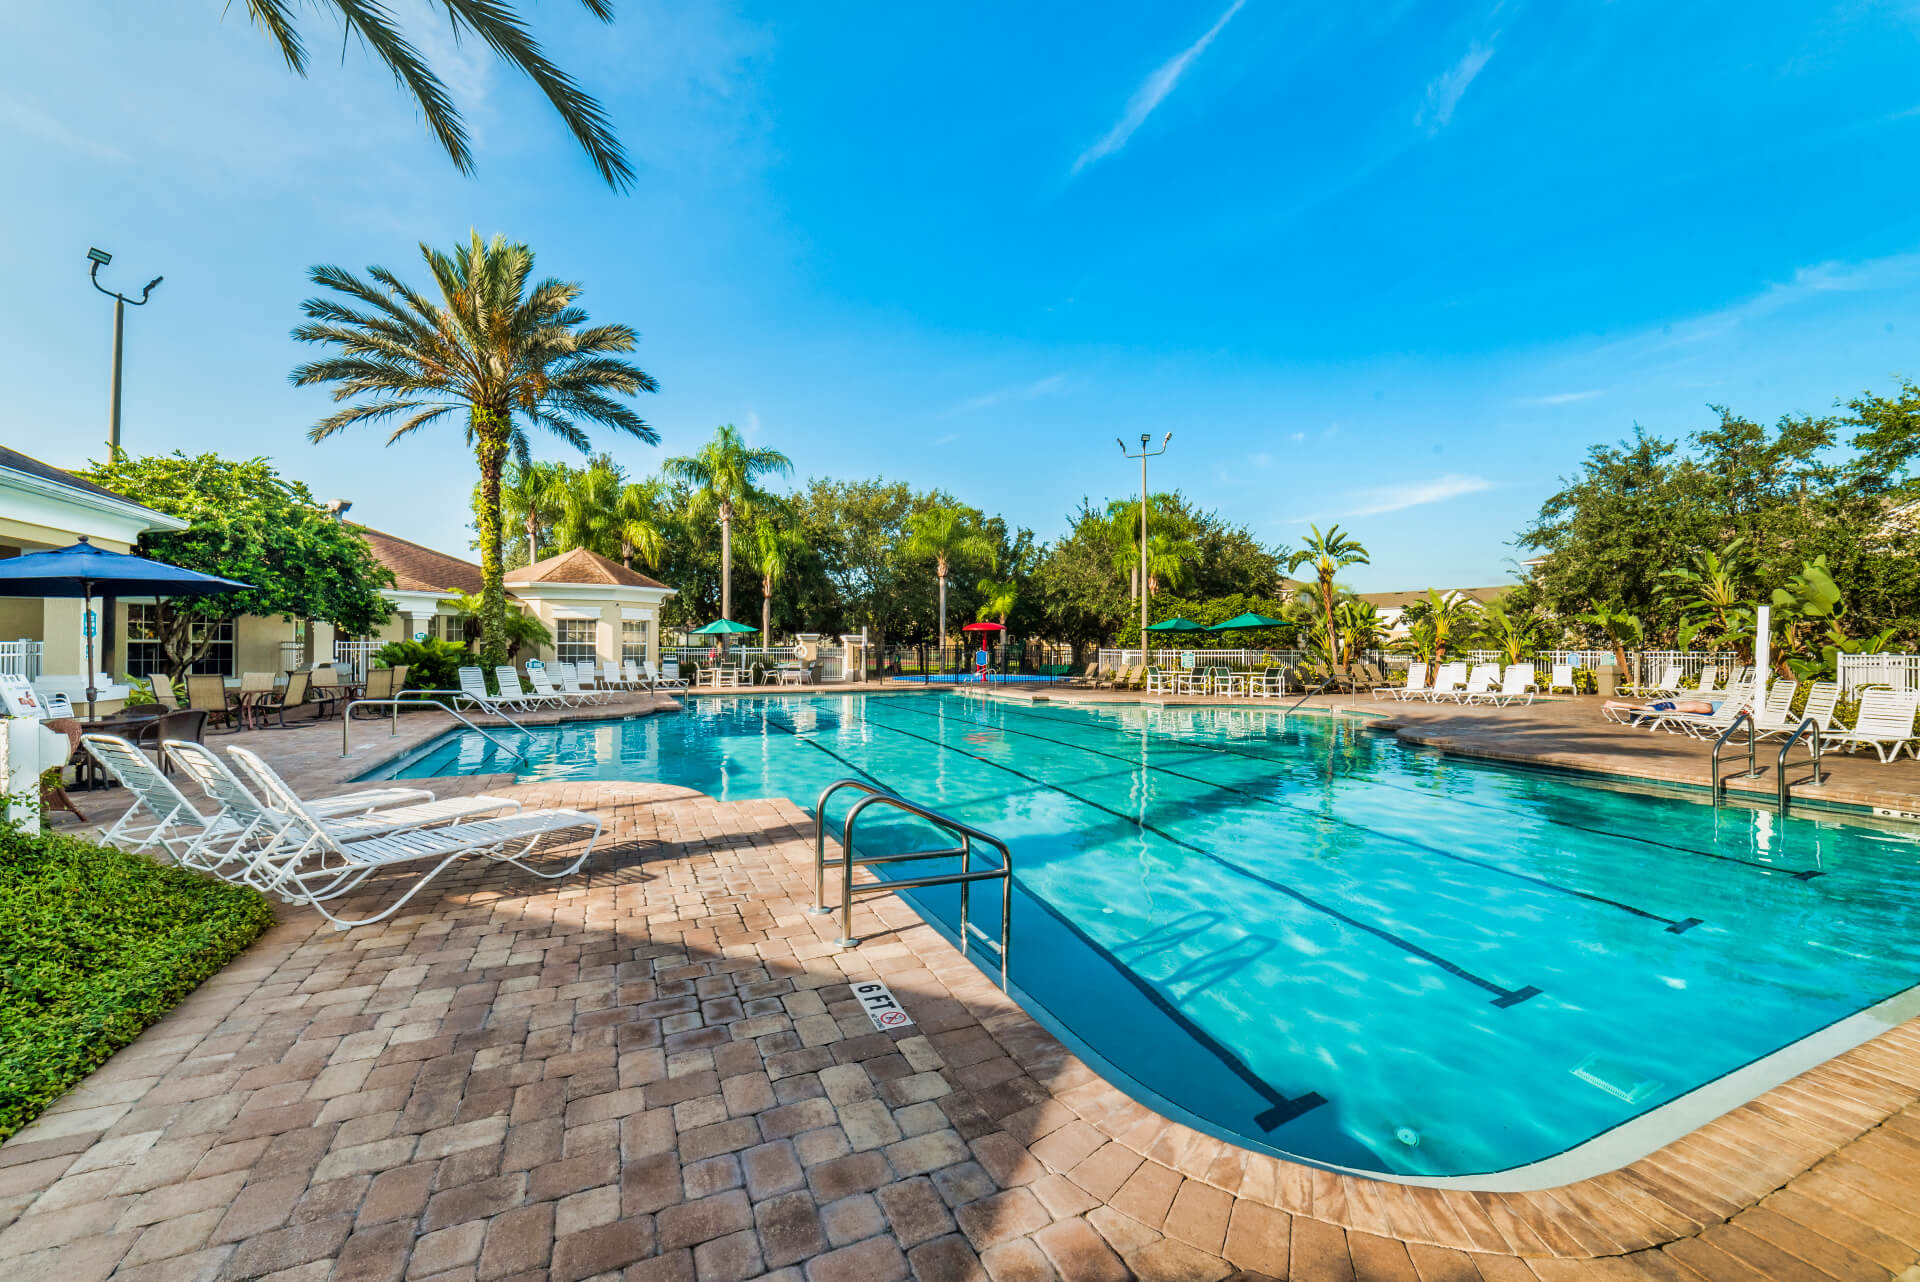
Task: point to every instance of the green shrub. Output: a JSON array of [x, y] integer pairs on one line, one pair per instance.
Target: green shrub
[[432, 664], [96, 944]]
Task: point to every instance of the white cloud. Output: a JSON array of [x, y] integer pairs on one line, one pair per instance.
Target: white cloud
[[1446, 89], [1564, 398], [1152, 92], [1393, 498], [35, 123], [1025, 392]]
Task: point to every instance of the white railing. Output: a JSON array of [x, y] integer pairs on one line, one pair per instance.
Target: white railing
[[20, 658], [1654, 663], [355, 656], [1899, 671]]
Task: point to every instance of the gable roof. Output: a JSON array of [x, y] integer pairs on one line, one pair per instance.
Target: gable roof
[[15, 461], [582, 566], [420, 569]]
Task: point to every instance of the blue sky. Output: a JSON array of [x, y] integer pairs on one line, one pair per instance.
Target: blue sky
[[1393, 265]]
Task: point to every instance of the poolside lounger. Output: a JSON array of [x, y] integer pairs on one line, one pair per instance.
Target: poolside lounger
[[1669, 682], [1447, 682], [1416, 684], [176, 826], [1774, 715], [567, 675], [633, 677], [1517, 683], [1885, 724], [513, 689], [262, 823], [1481, 684], [1708, 675], [327, 868], [1821, 698], [1561, 678], [544, 687], [473, 688], [658, 682], [1701, 725]]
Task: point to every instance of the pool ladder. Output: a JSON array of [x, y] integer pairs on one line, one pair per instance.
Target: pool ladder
[[965, 834], [1808, 727]]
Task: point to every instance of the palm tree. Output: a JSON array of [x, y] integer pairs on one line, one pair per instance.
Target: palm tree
[[531, 495], [523, 629], [501, 348], [1328, 554], [588, 497], [498, 27], [1515, 633], [639, 521], [775, 547], [948, 534], [1445, 617], [1167, 561], [998, 599], [725, 477]]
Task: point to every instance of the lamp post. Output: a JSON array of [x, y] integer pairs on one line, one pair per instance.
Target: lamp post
[[100, 258], [1146, 439]]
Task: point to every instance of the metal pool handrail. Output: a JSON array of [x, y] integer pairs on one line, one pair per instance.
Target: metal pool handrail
[[1813, 751], [967, 835], [1294, 706], [346, 721], [1753, 771]]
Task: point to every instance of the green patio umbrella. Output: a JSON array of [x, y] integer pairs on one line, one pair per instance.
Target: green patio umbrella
[[1240, 621], [723, 628], [1175, 624]]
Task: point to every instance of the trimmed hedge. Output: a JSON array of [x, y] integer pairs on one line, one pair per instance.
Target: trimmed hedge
[[96, 944]]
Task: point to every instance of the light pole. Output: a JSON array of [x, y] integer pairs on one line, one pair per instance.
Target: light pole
[[100, 258], [1146, 439]]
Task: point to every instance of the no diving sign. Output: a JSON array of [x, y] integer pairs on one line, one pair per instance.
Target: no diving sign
[[880, 1006]]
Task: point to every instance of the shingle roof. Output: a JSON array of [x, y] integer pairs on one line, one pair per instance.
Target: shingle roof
[[1388, 600], [582, 566], [421, 569], [18, 462]]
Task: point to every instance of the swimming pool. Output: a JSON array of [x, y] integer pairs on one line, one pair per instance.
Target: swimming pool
[[973, 678], [1320, 943]]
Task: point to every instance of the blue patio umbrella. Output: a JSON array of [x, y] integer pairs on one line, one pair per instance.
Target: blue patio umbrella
[[86, 571]]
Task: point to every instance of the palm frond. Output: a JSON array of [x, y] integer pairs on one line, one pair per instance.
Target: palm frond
[[275, 18], [376, 28]]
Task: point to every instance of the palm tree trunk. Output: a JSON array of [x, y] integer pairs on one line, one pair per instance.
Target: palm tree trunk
[[726, 568], [490, 452], [533, 533], [943, 610], [766, 611]]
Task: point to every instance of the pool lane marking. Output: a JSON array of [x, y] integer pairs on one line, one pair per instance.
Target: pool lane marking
[[1285, 1108], [1805, 874], [1504, 997], [1675, 926]]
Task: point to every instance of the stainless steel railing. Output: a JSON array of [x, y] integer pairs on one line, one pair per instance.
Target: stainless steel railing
[[1753, 771], [1813, 751], [346, 721], [848, 860]]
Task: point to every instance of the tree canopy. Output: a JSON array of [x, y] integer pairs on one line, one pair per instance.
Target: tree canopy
[[250, 524]]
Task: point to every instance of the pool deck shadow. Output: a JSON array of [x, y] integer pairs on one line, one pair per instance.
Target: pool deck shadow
[[657, 1071]]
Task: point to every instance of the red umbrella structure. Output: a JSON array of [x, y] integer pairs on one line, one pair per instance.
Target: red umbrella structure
[[984, 627]]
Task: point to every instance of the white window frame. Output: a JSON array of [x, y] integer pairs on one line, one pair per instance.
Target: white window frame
[[568, 648]]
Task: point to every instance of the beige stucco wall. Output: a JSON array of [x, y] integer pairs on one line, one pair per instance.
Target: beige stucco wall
[[606, 608]]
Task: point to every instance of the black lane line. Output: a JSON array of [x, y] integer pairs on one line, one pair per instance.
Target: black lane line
[[1503, 996], [1806, 874], [1675, 926], [1284, 1109]]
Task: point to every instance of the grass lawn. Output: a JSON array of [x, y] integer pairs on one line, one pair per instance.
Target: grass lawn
[[96, 944]]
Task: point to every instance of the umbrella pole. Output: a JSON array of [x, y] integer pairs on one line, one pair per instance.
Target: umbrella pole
[[86, 609]]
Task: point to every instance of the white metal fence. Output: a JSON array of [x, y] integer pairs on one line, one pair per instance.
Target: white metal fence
[[1900, 671], [20, 658], [355, 656]]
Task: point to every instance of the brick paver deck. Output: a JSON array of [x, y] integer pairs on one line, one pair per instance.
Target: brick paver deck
[[657, 1072]]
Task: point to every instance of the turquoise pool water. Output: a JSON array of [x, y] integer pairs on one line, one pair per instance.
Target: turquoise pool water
[[1321, 943]]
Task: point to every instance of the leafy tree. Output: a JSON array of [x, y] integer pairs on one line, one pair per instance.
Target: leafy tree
[[1439, 621], [248, 523], [432, 664], [1509, 628], [998, 599], [775, 547], [1359, 625], [948, 533], [498, 346], [501, 29], [1621, 628], [1328, 554], [724, 480], [524, 631], [640, 521], [531, 496]]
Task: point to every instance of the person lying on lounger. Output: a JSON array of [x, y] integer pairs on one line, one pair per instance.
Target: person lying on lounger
[[1627, 712]]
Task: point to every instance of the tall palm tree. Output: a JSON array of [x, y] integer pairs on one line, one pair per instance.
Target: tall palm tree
[[1328, 554], [531, 495], [588, 497], [1167, 560], [948, 534], [500, 28], [507, 351], [725, 476], [998, 599], [776, 546], [639, 521], [1446, 618]]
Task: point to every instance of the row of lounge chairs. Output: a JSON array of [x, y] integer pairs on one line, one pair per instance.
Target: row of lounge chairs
[[557, 685], [312, 852], [1478, 683], [1885, 721]]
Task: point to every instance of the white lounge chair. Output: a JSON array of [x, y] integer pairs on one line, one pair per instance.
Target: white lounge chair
[[507, 677], [1480, 684], [1448, 682], [1701, 725], [1774, 715], [1709, 674], [473, 688], [1516, 683], [348, 818], [1416, 684], [543, 686], [658, 682], [1822, 696], [1561, 678], [613, 678], [1885, 724], [175, 826], [568, 677], [1668, 684]]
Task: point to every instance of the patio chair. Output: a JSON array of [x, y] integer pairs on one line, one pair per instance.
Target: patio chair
[[1885, 724], [312, 867], [1561, 678], [1822, 696], [175, 826], [658, 682], [327, 693], [1449, 682], [209, 694], [379, 686], [1669, 683], [186, 723], [293, 696], [1415, 687], [162, 686]]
